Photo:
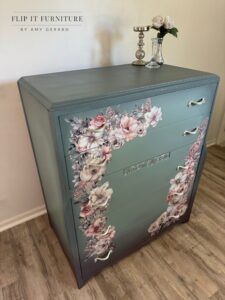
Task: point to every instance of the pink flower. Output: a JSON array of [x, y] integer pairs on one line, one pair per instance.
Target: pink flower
[[170, 197], [202, 128], [129, 127], [190, 164], [147, 106], [154, 116], [98, 121], [106, 153], [173, 199], [86, 210], [96, 227], [194, 150]]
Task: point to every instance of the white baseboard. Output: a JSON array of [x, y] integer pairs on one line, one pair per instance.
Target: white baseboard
[[211, 143], [21, 218]]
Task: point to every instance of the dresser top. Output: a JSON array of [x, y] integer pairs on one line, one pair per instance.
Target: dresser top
[[64, 88]]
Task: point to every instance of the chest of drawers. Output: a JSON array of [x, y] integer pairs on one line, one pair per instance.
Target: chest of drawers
[[119, 152]]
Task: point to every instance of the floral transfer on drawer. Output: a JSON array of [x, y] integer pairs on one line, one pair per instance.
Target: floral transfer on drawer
[[94, 139], [180, 186]]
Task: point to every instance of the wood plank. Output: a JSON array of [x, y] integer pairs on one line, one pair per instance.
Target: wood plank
[[218, 296], [194, 279], [13, 291], [164, 276], [8, 270]]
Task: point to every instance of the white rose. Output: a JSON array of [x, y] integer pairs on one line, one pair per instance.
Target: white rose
[[157, 21], [168, 22]]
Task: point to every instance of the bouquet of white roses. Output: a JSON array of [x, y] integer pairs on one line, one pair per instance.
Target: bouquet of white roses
[[164, 26]]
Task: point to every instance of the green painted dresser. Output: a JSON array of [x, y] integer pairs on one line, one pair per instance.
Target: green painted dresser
[[119, 152]]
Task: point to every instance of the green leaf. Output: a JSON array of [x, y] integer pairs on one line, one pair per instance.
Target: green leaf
[[173, 31], [152, 27], [163, 31]]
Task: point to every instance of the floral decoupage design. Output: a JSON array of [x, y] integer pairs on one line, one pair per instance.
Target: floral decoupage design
[[180, 186], [93, 140]]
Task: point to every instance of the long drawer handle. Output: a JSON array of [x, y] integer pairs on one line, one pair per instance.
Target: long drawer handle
[[179, 194], [104, 258], [175, 217], [104, 204], [192, 131], [181, 168], [197, 102], [107, 230]]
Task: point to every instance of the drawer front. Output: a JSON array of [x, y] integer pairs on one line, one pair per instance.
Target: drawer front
[[125, 241], [138, 197], [157, 141], [175, 107]]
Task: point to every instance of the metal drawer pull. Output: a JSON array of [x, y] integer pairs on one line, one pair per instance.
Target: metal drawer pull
[[181, 168], [107, 230], [198, 102], [179, 194], [104, 204], [193, 131], [175, 217], [104, 258]]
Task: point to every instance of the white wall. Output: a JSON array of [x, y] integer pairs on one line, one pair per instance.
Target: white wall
[[105, 38]]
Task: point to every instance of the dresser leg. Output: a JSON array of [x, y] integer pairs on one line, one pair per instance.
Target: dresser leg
[[186, 218]]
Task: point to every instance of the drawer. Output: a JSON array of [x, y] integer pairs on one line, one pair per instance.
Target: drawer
[[126, 241], [157, 141], [174, 106], [134, 195], [128, 235]]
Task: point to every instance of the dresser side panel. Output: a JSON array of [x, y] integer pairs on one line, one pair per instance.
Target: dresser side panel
[[43, 146]]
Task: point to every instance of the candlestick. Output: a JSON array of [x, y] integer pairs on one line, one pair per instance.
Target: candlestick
[[140, 53]]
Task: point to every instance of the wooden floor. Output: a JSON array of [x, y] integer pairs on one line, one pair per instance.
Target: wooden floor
[[187, 262]]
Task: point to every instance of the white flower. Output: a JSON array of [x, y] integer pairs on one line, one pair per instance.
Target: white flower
[[116, 138], [180, 178], [93, 170], [88, 141], [95, 161], [100, 195], [157, 21], [142, 129], [97, 132], [154, 116], [168, 22]]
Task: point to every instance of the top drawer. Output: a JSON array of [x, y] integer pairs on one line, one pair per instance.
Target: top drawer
[[174, 106]]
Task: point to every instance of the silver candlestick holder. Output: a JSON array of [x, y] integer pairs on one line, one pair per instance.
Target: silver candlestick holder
[[140, 53]]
